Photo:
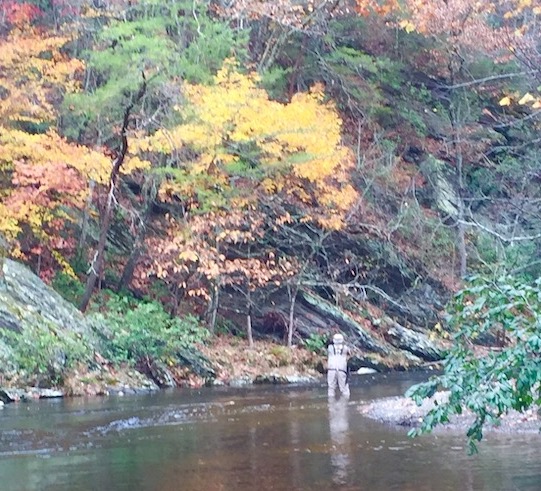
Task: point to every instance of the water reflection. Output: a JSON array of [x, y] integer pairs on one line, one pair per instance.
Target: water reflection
[[260, 438], [340, 442]]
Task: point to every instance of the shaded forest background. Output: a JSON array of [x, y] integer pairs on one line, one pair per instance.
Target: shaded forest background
[[270, 168]]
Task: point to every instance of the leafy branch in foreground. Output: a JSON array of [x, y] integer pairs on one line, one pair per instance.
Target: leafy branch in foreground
[[488, 381]]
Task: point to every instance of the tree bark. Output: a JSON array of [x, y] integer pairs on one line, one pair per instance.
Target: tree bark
[[213, 308], [96, 267], [139, 243], [84, 221], [129, 268], [249, 318], [292, 293]]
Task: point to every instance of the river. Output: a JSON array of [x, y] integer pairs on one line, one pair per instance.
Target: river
[[256, 438]]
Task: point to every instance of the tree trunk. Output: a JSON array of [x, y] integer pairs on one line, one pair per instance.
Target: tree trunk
[[461, 227], [96, 267], [249, 319], [129, 268], [213, 308], [84, 221], [461, 236], [139, 243], [292, 293], [457, 118]]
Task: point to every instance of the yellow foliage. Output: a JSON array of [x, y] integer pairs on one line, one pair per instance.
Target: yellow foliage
[[9, 227], [526, 98], [332, 222], [407, 25], [49, 148], [30, 78], [296, 146], [190, 256], [133, 163], [65, 265], [268, 185]]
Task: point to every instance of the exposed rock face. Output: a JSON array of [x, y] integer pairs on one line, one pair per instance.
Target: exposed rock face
[[387, 345], [414, 342], [25, 300]]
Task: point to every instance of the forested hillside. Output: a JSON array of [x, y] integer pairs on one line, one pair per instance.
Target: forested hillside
[[272, 168]]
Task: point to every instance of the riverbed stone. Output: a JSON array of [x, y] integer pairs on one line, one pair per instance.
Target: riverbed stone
[[240, 382], [50, 393], [277, 379], [403, 411], [7, 396]]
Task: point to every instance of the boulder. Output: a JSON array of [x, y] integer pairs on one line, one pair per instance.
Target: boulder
[[416, 343], [25, 300]]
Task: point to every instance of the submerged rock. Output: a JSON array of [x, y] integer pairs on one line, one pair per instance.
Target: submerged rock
[[277, 379]]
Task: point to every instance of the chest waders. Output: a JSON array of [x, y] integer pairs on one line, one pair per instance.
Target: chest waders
[[341, 353], [337, 372]]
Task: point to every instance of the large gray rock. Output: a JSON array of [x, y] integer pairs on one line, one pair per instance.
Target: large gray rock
[[363, 340], [415, 342], [25, 300], [27, 303], [28, 306]]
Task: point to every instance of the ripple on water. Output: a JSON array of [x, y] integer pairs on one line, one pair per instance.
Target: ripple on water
[[168, 417]]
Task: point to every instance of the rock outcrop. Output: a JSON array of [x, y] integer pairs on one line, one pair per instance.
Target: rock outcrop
[[25, 300], [379, 343], [27, 304]]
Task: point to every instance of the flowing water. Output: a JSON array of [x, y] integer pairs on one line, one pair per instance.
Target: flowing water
[[257, 438]]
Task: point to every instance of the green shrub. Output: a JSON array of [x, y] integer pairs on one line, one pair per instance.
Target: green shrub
[[70, 288], [44, 354], [131, 331], [491, 382], [317, 343]]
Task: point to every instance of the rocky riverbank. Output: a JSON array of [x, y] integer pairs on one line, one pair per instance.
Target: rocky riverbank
[[48, 348], [402, 411], [234, 364]]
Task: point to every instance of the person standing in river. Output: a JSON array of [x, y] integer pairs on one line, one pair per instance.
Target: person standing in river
[[337, 366]]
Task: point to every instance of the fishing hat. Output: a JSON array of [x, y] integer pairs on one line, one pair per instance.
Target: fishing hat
[[338, 338]]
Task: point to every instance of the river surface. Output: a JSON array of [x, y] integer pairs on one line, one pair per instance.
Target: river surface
[[258, 438]]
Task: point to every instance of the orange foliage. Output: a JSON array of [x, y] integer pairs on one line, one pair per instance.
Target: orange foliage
[[34, 73], [473, 24], [46, 177], [460, 23], [19, 14]]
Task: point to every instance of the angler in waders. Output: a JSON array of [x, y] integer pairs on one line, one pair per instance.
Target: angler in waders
[[337, 366]]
